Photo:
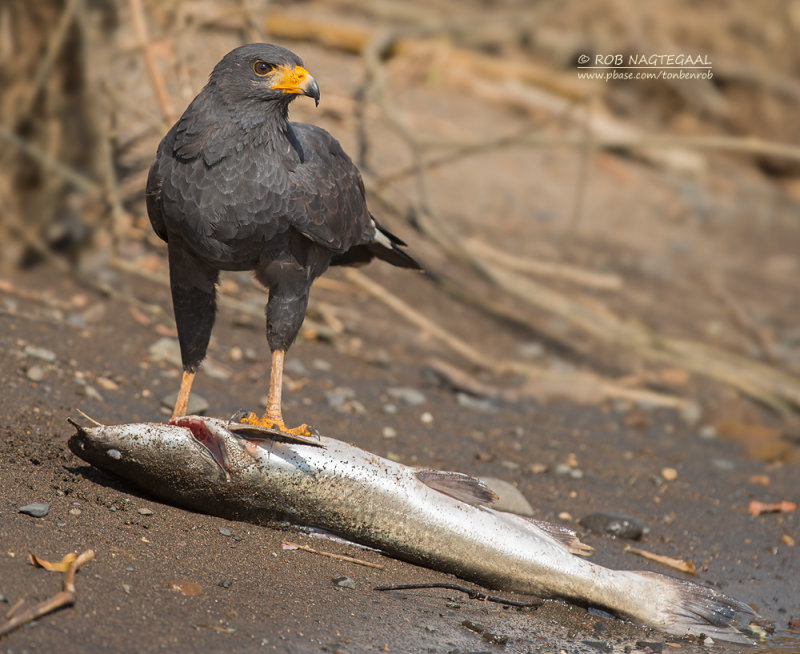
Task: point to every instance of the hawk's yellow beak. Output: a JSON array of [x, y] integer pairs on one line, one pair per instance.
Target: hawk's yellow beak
[[295, 80]]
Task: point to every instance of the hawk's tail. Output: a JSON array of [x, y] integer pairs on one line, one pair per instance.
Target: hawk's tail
[[385, 246]]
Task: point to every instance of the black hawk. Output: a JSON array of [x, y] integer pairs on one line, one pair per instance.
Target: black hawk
[[236, 186]]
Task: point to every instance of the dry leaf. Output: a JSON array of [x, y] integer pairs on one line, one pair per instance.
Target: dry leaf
[[757, 508], [676, 564], [188, 588], [60, 566], [163, 330], [140, 316]]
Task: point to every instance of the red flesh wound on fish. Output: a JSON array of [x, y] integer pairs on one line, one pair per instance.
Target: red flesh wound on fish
[[203, 435]]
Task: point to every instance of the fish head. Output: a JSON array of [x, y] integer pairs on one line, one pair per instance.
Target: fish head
[[183, 454]]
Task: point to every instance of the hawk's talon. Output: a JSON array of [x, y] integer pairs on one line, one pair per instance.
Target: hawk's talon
[[239, 416]]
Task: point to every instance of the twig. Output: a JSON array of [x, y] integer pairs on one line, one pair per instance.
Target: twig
[[55, 43], [99, 117], [579, 386], [15, 608], [583, 277], [65, 597], [472, 594], [9, 287], [140, 27], [457, 152], [77, 179], [545, 382], [331, 555], [425, 324], [762, 337], [581, 182], [254, 31], [760, 381], [676, 564]]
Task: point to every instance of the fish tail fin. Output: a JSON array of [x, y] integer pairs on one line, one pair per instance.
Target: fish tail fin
[[682, 607]]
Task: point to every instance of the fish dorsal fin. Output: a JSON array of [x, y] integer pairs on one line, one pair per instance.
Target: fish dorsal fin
[[563, 535], [458, 486]]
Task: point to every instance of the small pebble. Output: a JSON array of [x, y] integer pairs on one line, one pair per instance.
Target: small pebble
[[74, 511], [197, 406], [477, 627], [145, 511], [226, 583], [344, 582], [93, 394], [126, 589], [40, 353], [225, 531], [339, 397], [389, 432], [3, 598], [37, 509], [107, 384], [530, 350], [236, 353], [669, 474], [296, 367], [709, 432], [391, 409], [320, 365], [566, 516], [426, 418], [563, 469], [691, 412], [475, 403], [409, 396], [495, 639], [35, 373], [167, 350], [509, 498], [723, 465], [187, 588], [615, 525]]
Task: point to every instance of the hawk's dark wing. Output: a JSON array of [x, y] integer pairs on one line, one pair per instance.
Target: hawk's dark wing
[[328, 201]]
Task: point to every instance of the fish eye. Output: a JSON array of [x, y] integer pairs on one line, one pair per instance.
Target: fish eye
[[262, 68]]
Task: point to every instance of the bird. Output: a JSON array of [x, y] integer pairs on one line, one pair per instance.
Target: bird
[[235, 185]]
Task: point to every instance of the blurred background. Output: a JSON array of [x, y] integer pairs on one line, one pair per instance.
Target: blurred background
[[624, 240], [609, 319]]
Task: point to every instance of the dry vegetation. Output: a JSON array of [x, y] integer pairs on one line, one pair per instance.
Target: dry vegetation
[[90, 87]]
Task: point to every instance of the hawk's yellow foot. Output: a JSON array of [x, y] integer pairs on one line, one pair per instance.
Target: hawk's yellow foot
[[271, 423]]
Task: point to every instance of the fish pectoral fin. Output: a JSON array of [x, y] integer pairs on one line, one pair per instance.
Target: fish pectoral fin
[[458, 486]]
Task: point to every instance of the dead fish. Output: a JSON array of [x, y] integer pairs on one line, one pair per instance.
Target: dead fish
[[442, 520]]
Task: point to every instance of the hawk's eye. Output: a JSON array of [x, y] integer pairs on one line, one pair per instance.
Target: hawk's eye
[[262, 68]]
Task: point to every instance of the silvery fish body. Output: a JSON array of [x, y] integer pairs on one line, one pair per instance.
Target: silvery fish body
[[441, 520]]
